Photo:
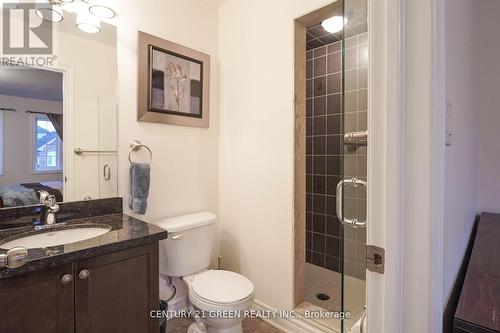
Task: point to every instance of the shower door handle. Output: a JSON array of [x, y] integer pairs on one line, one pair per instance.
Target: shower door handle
[[107, 172], [339, 198]]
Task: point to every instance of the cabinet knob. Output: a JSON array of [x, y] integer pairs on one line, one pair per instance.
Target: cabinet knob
[[67, 279], [84, 273]]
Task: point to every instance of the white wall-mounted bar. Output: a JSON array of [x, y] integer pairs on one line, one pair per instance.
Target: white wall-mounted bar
[[80, 151]]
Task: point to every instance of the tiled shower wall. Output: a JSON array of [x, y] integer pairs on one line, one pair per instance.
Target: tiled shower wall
[[355, 156], [323, 154], [324, 160]]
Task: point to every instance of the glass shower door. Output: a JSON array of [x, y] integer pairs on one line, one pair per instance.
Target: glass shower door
[[352, 189], [332, 278]]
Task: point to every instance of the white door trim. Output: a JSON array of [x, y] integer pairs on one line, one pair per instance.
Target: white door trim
[[385, 161], [438, 126], [68, 155], [421, 243]]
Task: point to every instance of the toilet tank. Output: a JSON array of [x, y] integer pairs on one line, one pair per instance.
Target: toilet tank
[[189, 246]]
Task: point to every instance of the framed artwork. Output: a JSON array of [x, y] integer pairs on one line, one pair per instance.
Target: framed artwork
[[174, 83]]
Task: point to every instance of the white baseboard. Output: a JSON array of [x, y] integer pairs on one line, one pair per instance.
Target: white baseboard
[[292, 325]]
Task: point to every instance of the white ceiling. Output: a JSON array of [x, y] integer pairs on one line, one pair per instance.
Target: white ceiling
[[31, 83]]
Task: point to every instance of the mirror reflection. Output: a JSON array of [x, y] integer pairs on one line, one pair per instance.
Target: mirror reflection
[[58, 124], [32, 127]]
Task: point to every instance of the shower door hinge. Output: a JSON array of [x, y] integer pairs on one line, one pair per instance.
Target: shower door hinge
[[375, 259]]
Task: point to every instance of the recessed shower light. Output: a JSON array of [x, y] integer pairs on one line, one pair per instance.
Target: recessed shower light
[[102, 11], [334, 24]]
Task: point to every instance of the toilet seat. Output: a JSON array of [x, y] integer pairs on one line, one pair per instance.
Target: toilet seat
[[218, 290], [219, 287]]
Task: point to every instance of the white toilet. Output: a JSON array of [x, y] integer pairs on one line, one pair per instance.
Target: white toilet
[[221, 297]]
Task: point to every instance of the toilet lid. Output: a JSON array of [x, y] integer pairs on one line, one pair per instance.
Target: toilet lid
[[222, 286]]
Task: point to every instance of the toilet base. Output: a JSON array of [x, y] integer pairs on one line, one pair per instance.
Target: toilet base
[[194, 328]]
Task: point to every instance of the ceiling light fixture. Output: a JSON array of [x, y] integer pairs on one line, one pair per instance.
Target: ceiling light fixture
[[89, 13], [102, 11], [334, 24], [49, 12], [88, 23]]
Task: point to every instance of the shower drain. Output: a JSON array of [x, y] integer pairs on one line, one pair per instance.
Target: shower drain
[[322, 297]]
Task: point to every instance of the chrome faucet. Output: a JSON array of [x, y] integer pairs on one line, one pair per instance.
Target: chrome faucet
[[49, 210]]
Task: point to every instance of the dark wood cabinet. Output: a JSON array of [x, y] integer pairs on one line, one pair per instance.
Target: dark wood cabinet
[[37, 302], [119, 292], [109, 293]]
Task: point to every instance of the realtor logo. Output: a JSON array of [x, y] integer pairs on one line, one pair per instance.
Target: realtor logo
[[23, 32]]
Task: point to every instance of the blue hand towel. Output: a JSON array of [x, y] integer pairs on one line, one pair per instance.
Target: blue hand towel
[[139, 176]]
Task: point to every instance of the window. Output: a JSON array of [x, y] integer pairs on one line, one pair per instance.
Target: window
[[47, 147]]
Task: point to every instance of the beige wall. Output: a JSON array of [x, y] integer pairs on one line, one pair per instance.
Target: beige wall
[[257, 142], [460, 158], [488, 184], [17, 140], [184, 175]]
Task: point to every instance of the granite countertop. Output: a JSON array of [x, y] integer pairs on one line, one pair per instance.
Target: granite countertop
[[479, 304], [126, 232]]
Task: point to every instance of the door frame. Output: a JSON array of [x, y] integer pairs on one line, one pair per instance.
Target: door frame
[[406, 79], [406, 124], [385, 161], [68, 154], [386, 115]]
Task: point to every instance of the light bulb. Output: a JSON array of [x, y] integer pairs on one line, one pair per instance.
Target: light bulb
[[334, 24]]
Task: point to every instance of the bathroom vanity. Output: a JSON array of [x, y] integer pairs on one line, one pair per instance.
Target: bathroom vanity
[[107, 283], [70, 265]]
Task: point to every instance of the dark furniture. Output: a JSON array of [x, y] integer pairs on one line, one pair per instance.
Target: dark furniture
[[108, 293], [478, 308]]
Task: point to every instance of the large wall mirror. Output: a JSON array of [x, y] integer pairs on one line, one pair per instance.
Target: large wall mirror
[[58, 123]]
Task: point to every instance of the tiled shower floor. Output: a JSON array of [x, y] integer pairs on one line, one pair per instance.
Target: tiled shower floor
[[321, 280]]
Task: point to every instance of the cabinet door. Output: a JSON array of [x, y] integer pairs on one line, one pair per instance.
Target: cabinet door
[[38, 302], [116, 292]]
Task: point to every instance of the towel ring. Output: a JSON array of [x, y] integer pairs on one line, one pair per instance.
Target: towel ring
[[135, 146]]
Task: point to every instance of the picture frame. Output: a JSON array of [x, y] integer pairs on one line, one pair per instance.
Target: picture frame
[[174, 83]]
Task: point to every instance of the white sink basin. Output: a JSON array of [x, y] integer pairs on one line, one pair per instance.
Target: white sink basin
[[56, 237]]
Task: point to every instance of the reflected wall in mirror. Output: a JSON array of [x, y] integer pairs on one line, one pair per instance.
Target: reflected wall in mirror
[[31, 125], [58, 124]]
